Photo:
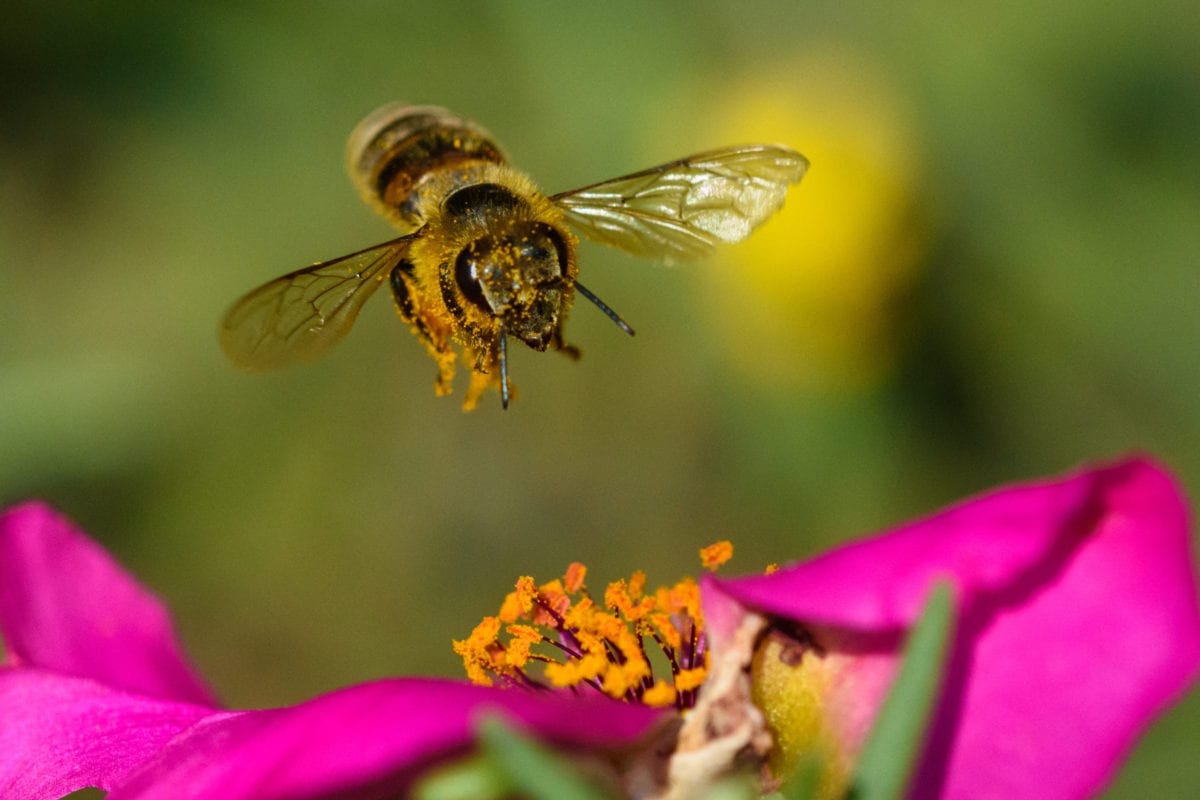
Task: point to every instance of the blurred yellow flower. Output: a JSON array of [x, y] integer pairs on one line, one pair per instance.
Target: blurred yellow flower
[[810, 299]]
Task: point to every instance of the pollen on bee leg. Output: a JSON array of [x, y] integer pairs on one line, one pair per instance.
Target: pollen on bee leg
[[480, 383], [441, 352], [443, 384], [475, 391]]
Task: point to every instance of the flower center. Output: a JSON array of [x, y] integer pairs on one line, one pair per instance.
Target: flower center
[[558, 635]]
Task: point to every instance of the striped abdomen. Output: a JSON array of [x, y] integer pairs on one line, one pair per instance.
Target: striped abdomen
[[394, 153]]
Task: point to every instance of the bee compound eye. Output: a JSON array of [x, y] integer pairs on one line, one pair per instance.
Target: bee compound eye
[[469, 269]]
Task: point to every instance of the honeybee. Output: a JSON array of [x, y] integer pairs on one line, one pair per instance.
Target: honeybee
[[483, 255]]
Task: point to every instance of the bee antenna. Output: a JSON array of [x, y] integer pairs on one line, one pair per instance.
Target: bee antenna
[[600, 304], [504, 369]]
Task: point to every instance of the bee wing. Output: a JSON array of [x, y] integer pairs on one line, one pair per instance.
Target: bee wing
[[683, 209], [301, 315]]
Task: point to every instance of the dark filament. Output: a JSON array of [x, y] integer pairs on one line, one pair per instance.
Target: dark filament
[[503, 369], [600, 304]]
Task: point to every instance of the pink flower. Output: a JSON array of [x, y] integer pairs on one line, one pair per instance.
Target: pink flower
[[97, 692], [1078, 623]]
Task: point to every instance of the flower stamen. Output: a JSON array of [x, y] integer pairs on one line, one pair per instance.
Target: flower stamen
[[556, 636]]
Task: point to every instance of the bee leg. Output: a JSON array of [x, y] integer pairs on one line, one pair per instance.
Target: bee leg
[[481, 381], [404, 291], [443, 384], [558, 343], [490, 369]]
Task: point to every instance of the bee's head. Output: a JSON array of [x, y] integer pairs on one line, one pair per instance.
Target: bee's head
[[517, 276]]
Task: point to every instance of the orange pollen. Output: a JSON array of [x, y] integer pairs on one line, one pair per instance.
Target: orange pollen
[[555, 635], [573, 580], [716, 554]]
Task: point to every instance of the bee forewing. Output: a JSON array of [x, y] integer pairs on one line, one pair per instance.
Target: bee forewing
[[683, 209], [301, 315]]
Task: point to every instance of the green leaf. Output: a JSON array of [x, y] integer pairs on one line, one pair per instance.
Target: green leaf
[[886, 765], [532, 769], [473, 778]]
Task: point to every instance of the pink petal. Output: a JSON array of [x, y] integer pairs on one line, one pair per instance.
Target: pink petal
[[367, 741], [1079, 624], [60, 734], [67, 606]]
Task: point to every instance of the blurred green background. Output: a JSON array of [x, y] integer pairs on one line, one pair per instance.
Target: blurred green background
[[990, 274]]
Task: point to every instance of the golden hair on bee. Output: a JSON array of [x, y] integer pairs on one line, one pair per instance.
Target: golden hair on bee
[[483, 254]]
